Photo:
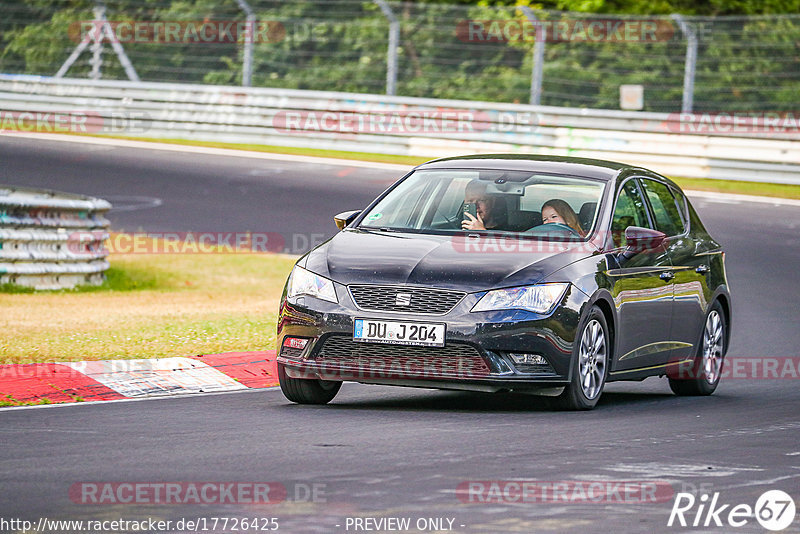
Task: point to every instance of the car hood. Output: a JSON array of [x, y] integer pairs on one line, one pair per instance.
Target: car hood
[[455, 262]]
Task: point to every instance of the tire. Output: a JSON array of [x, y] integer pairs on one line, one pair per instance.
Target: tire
[[307, 391], [707, 366], [591, 357]]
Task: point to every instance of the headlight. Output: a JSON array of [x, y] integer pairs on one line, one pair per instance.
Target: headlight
[[303, 282], [538, 299]]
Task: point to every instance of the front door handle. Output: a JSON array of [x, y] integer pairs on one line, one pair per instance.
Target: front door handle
[[667, 275], [701, 269]]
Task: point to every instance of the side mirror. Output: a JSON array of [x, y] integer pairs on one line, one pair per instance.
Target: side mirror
[[640, 239], [345, 218]]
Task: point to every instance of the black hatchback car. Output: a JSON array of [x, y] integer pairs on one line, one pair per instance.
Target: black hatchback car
[[547, 275]]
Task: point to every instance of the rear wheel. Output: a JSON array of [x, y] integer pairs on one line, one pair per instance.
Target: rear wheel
[[307, 391], [706, 369], [592, 355]]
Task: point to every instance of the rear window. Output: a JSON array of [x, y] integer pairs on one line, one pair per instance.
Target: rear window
[[680, 200], [665, 207]]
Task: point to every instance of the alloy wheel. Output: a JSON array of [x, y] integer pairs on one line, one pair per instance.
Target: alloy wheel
[[592, 359], [712, 347]]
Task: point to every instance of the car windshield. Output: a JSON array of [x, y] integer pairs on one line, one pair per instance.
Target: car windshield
[[519, 202]]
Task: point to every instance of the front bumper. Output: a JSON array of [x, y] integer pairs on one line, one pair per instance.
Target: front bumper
[[476, 356]]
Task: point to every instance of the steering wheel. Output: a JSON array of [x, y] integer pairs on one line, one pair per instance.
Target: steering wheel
[[544, 229], [455, 221]]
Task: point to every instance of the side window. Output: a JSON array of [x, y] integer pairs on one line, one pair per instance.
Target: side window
[[629, 211], [665, 208], [680, 200]]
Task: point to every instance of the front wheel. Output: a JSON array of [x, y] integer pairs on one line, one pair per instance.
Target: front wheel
[[592, 355], [307, 391], [706, 368]]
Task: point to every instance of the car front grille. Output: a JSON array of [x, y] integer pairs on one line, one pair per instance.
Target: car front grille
[[410, 300], [455, 360]]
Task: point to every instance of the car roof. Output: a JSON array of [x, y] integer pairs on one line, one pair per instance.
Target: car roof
[[590, 168]]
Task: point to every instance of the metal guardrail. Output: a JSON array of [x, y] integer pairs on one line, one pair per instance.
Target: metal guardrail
[[665, 142], [51, 240]]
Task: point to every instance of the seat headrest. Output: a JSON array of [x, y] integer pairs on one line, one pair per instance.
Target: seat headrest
[[586, 214]]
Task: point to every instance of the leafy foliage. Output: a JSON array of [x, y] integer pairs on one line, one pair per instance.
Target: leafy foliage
[[744, 63]]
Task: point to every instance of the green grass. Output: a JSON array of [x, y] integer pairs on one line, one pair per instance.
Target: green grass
[[274, 149], [150, 306], [131, 279], [14, 288], [8, 400], [738, 187]]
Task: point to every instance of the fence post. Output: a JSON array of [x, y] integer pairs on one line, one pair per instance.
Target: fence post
[[97, 45], [690, 65], [391, 53], [249, 37], [538, 56]]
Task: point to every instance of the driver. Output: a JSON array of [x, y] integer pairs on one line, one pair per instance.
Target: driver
[[491, 212]]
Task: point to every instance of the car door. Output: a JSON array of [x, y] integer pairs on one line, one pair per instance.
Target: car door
[[641, 286], [690, 266]]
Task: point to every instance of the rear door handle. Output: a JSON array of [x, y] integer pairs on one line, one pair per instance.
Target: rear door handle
[[667, 275], [701, 269]]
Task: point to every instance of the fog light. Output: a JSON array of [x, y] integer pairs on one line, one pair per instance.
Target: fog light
[[294, 347], [295, 342], [533, 359]]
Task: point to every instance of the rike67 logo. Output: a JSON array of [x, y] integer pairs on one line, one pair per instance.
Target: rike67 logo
[[774, 510]]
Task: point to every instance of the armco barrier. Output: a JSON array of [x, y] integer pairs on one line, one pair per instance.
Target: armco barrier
[[259, 116], [51, 240]]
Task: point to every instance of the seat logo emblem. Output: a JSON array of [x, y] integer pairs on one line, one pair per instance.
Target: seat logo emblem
[[402, 299]]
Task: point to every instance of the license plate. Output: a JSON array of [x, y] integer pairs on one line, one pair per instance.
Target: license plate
[[399, 332]]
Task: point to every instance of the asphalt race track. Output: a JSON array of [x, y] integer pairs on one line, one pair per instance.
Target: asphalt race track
[[379, 452]]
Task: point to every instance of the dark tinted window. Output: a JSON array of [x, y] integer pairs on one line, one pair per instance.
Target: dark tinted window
[[665, 208], [629, 211], [680, 199]]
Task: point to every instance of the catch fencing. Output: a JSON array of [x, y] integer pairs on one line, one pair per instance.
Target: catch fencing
[[511, 54], [754, 148], [51, 240]]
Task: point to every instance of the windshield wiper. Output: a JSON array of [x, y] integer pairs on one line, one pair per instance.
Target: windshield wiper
[[379, 229]]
